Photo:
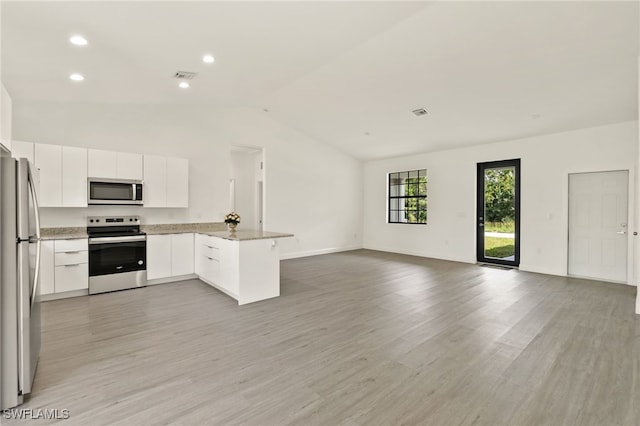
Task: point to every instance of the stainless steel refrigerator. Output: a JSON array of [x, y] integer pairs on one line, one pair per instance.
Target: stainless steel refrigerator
[[19, 269]]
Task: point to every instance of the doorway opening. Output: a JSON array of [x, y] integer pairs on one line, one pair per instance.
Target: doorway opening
[[498, 208], [598, 225], [246, 189]]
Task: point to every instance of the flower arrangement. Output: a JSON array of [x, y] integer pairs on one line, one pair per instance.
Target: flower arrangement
[[232, 218]]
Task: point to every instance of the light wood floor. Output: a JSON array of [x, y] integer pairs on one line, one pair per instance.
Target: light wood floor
[[357, 338]]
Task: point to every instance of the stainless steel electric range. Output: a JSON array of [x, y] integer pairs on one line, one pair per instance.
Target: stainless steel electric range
[[117, 253]]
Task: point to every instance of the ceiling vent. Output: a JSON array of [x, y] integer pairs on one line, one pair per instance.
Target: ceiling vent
[[420, 111], [185, 75]]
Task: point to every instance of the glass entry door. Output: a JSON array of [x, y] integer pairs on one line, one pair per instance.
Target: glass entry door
[[498, 212]]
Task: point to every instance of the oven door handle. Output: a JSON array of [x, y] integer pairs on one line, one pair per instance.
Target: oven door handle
[[103, 240]]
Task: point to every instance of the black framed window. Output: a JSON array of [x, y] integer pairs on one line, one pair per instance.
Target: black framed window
[[408, 197]]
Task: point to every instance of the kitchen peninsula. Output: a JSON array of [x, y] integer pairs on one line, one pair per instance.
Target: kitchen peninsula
[[244, 264]]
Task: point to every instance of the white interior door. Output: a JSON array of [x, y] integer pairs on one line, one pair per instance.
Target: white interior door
[[598, 225]]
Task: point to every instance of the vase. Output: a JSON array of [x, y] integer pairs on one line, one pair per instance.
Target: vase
[[232, 227]]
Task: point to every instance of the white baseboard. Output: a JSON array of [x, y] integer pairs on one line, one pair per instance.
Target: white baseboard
[[421, 254], [296, 255], [540, 270], [171, 279], [65, 295]]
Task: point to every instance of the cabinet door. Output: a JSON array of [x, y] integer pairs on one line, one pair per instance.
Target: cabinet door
[[177, 182], [155, 181], [158, 256], [72, 277], [22, 150], [48, 158], [74, 177], [102, 164], [129, 166], [47, 268], [229, 275], [181, 254]]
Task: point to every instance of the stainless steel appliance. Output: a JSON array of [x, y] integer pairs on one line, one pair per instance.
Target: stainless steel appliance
[[19, 269], [114, 191], [117, 253]]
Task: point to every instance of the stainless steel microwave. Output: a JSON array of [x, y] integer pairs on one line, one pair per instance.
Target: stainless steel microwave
[[114, 191]]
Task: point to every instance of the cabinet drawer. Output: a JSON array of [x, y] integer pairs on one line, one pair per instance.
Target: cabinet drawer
[[71, 258], [210, 269], [72, 245], [209, 241], [211, 252], [72, 277]]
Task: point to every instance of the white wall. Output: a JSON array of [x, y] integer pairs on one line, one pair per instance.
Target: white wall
[[311, 189], [546, 163], [5, 117], [245, 175]]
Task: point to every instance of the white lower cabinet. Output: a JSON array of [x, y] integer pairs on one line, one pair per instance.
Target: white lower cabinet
[[248, 270], [181, 254], [64, 266], [47, 268], [169, 255], [207, 258], [72, 265], [158, 256]]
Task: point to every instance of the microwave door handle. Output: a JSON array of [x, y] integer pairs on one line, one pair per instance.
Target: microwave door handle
[[133, 192]]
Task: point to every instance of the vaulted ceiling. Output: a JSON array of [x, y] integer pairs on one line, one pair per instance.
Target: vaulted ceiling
[[346, 73]]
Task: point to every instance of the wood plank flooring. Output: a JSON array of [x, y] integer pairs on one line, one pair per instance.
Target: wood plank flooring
[[357, 338]]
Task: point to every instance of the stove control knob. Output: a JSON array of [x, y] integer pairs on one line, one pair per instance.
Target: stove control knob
[[91, 220], [97, 220]]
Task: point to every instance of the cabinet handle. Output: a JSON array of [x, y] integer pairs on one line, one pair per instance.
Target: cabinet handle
[[211, 247], [72, 252], [73, 264], [211, 258]]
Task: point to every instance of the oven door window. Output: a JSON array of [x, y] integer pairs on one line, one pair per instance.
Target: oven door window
[[114, 258], [111, 191]]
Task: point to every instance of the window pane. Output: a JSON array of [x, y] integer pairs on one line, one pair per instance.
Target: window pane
[[407, 196]]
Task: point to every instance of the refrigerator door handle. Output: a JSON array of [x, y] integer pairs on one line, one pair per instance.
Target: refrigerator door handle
[[36, 207]]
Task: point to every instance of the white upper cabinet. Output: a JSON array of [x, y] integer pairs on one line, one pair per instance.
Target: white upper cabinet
[[102, 164], [155, 181], [177, 182], [48, 158], [129, 166], [63, 175], [74, 177], [115, 165], [166, 181], [21, 149]]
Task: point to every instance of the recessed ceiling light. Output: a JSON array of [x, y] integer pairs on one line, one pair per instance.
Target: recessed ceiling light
[[78, 40], [183, 85], [208, 59], [76, 77]]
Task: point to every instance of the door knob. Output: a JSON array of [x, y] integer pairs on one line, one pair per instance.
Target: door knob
[[621, 232]]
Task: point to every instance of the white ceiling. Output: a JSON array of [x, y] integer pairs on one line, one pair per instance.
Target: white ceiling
[[485, 71]]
